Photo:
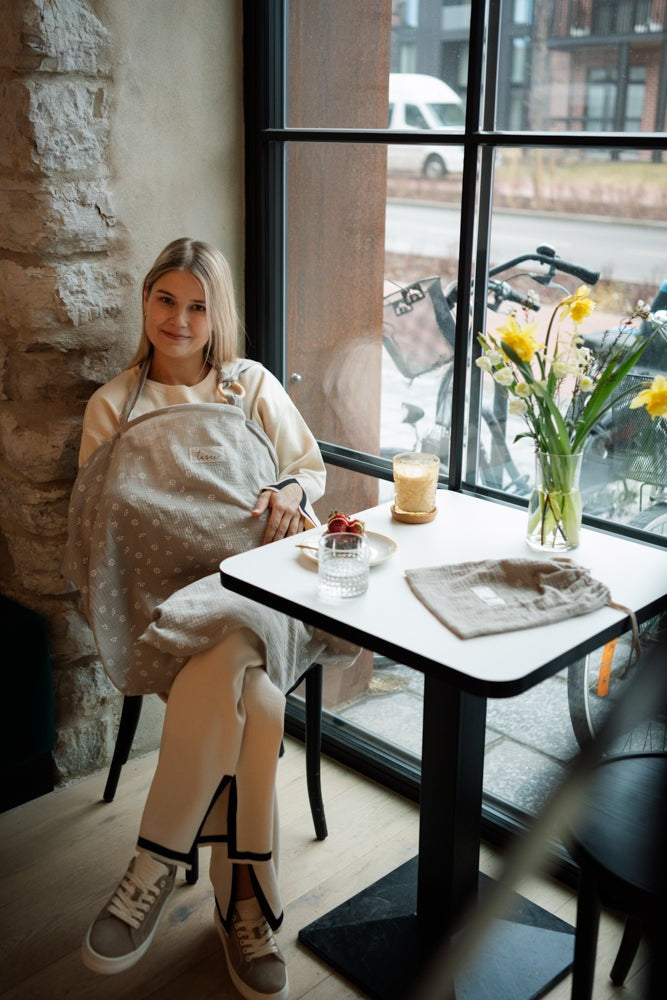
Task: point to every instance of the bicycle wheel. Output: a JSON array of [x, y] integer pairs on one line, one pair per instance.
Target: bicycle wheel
[[654, 518], [596, 682]]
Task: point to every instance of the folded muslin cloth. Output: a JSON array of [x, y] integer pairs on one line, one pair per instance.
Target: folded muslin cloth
[[500, 595]]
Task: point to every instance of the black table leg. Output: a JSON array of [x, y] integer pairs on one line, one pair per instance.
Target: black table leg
[[450, 801], [384, 938]]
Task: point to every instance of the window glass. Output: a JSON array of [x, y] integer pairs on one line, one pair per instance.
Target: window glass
[[407, 39], [371, 255], [523, 11], [455, 67], [520, 51], [405, 13], [414, 117], [581, 70], [333, 36], [368, 268], [407, 58], [606, 216], [601, 95], [634, 102], [455, 16]]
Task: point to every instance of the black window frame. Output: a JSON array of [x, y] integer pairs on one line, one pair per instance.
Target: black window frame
[[266, 133]]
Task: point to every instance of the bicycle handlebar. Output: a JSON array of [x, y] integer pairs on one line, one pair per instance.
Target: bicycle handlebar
[[546, 254], [502, 291]]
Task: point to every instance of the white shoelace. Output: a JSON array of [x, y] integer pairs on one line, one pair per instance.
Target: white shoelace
[[137, 891], [256, 938]]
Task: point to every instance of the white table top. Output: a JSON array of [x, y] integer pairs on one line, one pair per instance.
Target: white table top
[[391, 620]]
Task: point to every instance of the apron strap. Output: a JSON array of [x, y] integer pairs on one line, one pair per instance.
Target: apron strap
[[136, 392], [229, 389]]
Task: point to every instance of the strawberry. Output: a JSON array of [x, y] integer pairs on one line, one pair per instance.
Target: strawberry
[[357, 526], [343, 522], [337, 522]]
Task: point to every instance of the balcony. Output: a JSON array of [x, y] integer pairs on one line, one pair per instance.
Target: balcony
[[600, 20]]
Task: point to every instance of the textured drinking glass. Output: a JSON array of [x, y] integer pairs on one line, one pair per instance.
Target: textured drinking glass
[[415, 482], [343, 564]]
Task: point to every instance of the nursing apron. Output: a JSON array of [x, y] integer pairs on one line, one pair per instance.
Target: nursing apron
[[152, 514]]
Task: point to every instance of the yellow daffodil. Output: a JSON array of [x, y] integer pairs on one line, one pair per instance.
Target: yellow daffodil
[[577, 306], [519, 339], [654, 398]]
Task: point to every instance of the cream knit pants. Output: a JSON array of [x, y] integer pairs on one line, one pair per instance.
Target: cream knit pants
[[216, 772]]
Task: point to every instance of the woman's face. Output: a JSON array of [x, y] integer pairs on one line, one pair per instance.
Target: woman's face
[[175, 317]]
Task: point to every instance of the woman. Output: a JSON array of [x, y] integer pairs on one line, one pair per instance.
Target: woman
[[187, 456]]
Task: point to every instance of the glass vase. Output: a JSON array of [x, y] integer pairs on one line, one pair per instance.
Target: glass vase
[[554, 508]]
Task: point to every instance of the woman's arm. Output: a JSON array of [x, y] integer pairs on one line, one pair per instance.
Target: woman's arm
[[302, 474]]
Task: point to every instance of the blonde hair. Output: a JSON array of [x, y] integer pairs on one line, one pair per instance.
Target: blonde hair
[[209, 266]]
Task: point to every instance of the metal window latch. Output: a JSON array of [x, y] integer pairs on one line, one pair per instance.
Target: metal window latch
[[295, 377]]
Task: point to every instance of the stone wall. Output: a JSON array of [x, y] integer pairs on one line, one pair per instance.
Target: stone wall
[[79, 86]]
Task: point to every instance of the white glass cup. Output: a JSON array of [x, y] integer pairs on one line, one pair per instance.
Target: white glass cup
[[415, 482], [343, 564]]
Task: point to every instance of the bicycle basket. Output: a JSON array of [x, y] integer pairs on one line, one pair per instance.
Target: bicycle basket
[[640, 443], [418, 328]]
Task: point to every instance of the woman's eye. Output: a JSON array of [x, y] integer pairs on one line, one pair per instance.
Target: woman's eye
[[199, 308], [165, 300]]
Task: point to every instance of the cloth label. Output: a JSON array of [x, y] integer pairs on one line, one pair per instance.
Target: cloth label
[[207, 453], [489, 596]]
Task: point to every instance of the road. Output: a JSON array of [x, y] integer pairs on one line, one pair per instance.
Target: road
[[621, 251]]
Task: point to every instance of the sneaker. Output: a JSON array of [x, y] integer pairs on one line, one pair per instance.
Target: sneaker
[[254, 961], [124, 929]]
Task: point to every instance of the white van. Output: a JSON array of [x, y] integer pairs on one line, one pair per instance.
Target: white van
[[417, 101]]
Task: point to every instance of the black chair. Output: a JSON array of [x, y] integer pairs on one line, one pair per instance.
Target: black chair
[[313, 677], [619, 844]]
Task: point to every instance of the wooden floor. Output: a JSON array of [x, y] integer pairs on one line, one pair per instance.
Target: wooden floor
[[63, 854]]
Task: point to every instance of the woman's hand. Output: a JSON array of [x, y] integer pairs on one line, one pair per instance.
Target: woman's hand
[[285, 517]]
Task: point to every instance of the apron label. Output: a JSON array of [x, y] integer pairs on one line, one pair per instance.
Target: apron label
[[208, 453]]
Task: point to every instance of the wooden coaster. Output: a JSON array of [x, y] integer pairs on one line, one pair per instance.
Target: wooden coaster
[[417, 518]]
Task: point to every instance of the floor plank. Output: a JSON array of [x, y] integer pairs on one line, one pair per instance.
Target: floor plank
[[63, 854]]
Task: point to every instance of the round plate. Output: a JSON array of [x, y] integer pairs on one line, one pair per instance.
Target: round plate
[[381, 547]]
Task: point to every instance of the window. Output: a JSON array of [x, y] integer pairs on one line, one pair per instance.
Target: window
[[520, 52], [523, 11], [350, 216], [634, 101], [414, 118], [621, 16], [601, 96], [455, 16]]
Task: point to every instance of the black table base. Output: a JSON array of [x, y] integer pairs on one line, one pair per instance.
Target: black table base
[[377, 942]]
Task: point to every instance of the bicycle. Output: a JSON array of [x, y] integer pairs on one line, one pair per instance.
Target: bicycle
[[599, 680], [418, 334]]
